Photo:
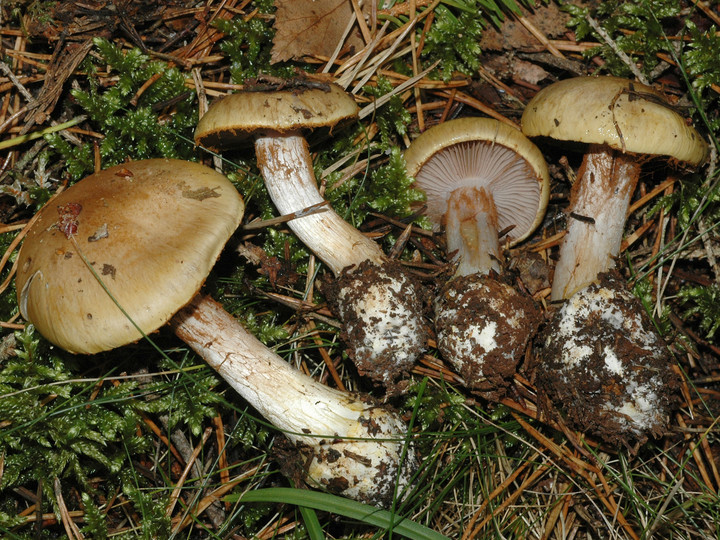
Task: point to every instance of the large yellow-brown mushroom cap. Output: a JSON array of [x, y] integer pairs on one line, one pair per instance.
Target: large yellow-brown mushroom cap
[[625, 115], [235, 118], [151, 230]]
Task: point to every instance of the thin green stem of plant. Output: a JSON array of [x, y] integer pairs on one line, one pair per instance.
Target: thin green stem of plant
[[659, 259], [341, 506], [41, 133], [406, 446]]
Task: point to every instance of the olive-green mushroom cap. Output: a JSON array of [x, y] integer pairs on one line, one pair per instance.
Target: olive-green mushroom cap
[[150, 230], [482, 152], [234, 118], [625, 115]]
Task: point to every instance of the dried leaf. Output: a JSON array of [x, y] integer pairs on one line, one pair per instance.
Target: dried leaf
[[529, 72], [513, 36], [311, 28]]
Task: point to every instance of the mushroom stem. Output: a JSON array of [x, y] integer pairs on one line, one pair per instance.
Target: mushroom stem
[[378, 302], [356, 447], [286, 166], [598, 209], [471, 231]]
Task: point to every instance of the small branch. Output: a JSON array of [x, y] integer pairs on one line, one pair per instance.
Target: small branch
[[16, 82], [309, 211], [620, 54], [175, 495]]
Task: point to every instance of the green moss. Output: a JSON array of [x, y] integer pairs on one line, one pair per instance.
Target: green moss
[[454, 40], [248, 44], [90, 428], [700, 60], [435, 406], [392, 118], [51, 415], [95, 520], [636, 27], [131, 121], [79, 160], [8, 302], [704, 307], [391, 189]]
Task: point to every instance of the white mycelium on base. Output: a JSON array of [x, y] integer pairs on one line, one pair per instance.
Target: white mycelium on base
[[606, 365]]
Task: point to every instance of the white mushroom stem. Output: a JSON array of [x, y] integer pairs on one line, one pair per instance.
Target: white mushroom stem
[[356, 446], [381, 310], [286, 166], [471, 231], [598, 211]]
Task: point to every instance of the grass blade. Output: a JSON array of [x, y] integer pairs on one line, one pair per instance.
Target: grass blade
[[344, 507], [312, 523]]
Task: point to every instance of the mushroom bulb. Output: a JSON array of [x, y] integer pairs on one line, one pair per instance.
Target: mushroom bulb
[[377, 300], [601, 360], [146, 234], [624, 123], [481, 177]]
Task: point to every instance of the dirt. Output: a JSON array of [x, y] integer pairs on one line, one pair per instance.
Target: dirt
[[382, 310], [357, 466], [531, 269], [604, 368], [483, 327]]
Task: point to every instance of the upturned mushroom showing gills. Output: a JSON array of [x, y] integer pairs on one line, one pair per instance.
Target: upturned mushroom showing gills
[[602, 360], [378, 302], [122, 252], [481, 178]]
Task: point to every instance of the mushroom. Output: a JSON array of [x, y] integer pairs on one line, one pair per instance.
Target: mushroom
[[624, 123], [376, 299], [602, 359], [125, 250], [481, 178]]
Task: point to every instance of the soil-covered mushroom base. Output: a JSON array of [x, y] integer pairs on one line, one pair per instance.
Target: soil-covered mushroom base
[[483, 327], [364, 468], [604, 367], [382, 310]]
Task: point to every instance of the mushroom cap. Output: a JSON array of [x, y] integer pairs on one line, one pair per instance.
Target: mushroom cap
[[620, 113], [482, 152], [151, 230], [234, 118]]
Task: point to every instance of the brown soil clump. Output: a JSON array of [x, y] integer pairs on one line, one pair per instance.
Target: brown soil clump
[[483, 327], [605, 368]]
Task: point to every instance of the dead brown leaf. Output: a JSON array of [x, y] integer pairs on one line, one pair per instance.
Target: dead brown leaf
[[528, 72], [311, 28], [548, 19]]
